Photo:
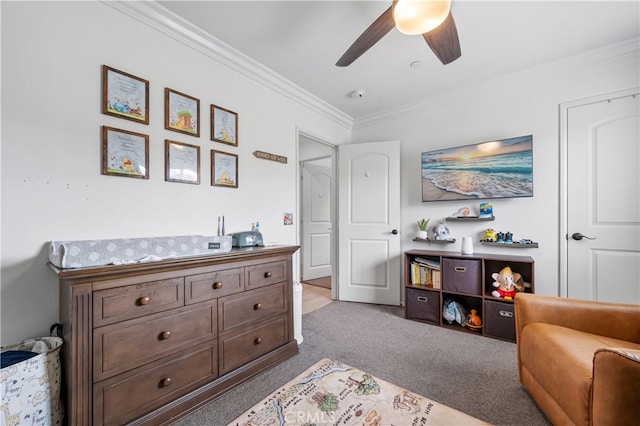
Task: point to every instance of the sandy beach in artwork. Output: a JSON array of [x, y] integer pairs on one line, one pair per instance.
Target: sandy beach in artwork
[[430, 192]]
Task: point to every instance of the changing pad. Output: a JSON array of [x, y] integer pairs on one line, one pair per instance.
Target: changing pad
[[82, 254]]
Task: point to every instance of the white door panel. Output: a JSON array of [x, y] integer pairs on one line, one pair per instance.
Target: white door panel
[[603, 200], [369, 216], [316, 220]]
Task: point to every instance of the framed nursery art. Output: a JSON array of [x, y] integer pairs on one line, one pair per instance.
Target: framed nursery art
[[224, 125], [181, 112], [182, 162], [224, 169], [124, 95], [125, 153]]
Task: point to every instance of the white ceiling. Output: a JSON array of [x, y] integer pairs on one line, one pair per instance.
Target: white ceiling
[[302, 40]]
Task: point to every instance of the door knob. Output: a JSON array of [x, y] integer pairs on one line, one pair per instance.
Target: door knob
[[394, 232], [578, 236]]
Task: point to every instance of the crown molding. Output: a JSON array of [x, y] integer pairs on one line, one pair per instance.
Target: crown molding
[[622, 51], [163, 20]]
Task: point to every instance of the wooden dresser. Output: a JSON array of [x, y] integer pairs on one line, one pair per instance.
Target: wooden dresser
[[148, 343]]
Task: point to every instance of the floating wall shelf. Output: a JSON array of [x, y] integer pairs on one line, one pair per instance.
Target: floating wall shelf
[[431, 240], [511, 245], [470, 219]]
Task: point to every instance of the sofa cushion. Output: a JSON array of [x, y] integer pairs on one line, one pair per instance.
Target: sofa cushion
[[562, 361]]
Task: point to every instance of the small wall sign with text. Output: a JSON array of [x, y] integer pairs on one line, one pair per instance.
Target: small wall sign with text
[[268, 156]]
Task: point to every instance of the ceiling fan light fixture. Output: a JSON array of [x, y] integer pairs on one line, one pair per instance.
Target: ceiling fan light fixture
[[415, 17]]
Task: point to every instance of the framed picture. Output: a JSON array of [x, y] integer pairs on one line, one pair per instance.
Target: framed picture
[[125, 95], [224, 126], [501, 168], [224, 169], [181, 112], [182, 162], [125, 153]]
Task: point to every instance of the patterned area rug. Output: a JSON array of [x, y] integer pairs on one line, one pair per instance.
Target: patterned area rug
[[334, 393]]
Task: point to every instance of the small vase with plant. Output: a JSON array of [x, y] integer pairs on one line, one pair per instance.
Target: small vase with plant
[[422, 228]]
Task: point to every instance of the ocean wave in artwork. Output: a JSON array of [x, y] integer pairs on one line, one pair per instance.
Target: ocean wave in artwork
[[507, 175]]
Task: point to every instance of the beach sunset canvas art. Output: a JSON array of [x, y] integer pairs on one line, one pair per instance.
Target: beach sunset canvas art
[[494, 169]]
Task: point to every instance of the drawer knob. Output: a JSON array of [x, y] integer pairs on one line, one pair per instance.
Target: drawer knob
[[505, 314], [144, 300], [165, 335], [423, 299], [460, 269], [217, 285], [257, 341], [165, 382], [257, 306], [267, 274]]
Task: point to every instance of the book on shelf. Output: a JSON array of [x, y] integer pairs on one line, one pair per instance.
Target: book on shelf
[[433, 264], [425, 275]]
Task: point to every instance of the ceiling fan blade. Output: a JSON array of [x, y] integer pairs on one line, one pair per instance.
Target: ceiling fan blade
[[443, 40], [368, 38]]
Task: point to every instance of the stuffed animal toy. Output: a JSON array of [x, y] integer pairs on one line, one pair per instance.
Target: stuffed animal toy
[[507, 283], [441, 232]]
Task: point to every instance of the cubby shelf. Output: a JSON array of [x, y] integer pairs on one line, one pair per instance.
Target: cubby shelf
[[466, 279]]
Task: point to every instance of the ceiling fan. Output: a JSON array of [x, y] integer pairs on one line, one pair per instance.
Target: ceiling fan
[[431, 18]]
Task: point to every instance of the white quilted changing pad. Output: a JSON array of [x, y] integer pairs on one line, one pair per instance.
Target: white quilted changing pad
[[82, 254]]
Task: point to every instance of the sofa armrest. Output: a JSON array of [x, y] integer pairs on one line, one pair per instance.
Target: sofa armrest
[[616, 382], [614, 320]]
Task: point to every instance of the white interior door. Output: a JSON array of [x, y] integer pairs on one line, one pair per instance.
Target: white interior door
[[316, 218], [369, 219], [603, 193]]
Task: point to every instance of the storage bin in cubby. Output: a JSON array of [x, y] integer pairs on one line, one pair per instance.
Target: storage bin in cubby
[[423, 305], [499, 320], [462, 275]]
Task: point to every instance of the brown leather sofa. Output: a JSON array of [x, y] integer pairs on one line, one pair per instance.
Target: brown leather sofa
[[580, 360]]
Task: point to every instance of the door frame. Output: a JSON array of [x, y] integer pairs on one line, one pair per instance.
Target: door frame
[[334, 207], [563, 269]]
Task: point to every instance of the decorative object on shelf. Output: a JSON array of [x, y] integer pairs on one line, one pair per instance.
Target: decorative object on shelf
[[474, 322], [462, 212], [507, 283], [467, 245], [500, 237], [224, 125], [508, 237], [454, 312], [181, 112], [125, 95], [441, 232], [422, 228], [182, 162], [125, 153], [489, 235], [224, 169], [486, 210]]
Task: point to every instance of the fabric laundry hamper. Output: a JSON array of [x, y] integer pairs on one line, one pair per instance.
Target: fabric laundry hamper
[[30, 387]]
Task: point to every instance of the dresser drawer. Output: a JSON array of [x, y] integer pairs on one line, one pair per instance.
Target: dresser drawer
[[133, 301], [238, 349], [127, 396], [265, 274], [461, 275], [199, 288], [121, 347], [251, 306]]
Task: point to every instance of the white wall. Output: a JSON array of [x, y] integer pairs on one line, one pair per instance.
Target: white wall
[[516, 105], [52, 189]]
